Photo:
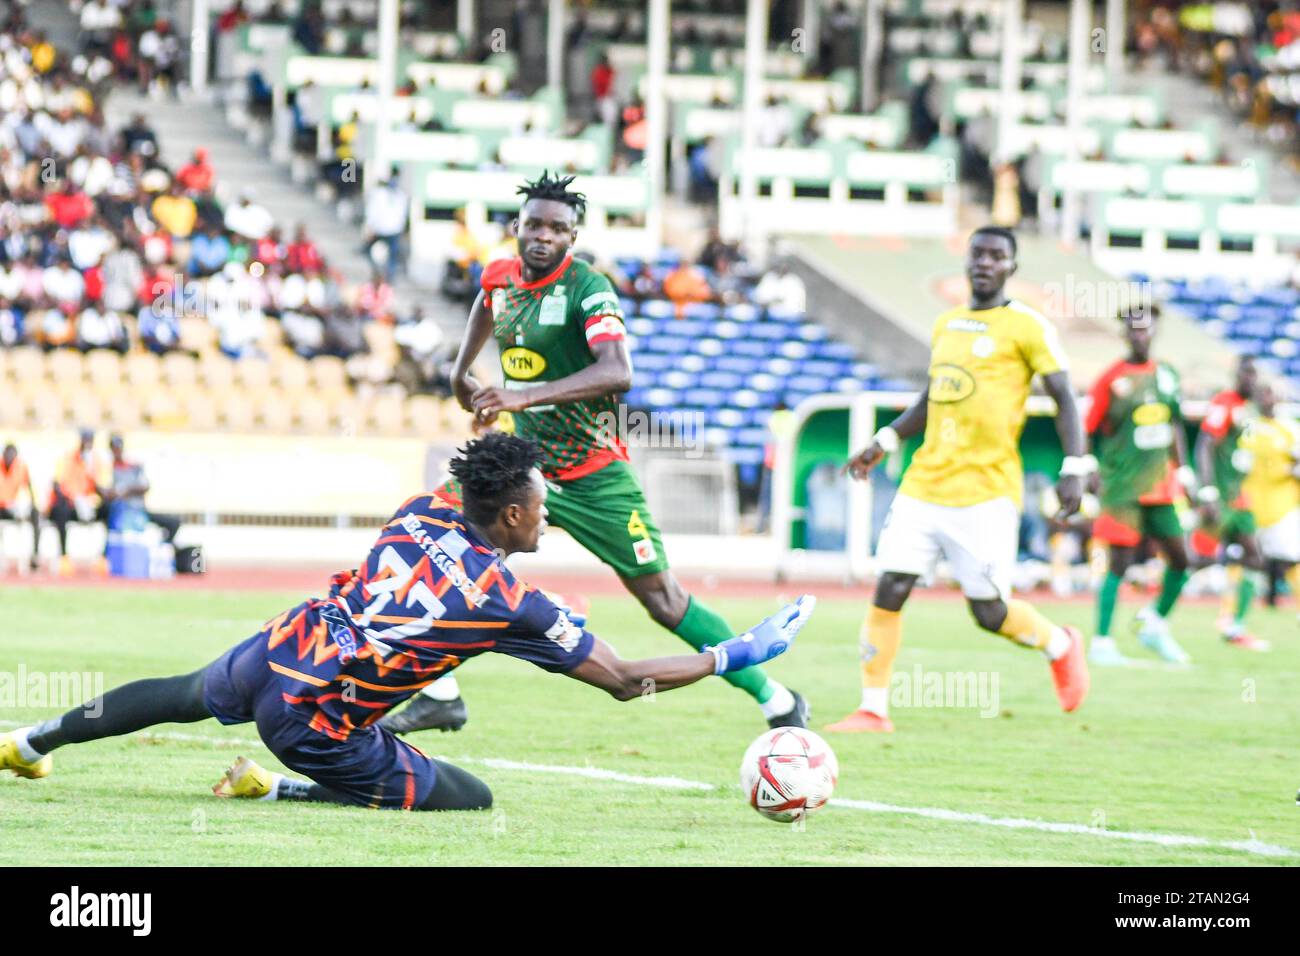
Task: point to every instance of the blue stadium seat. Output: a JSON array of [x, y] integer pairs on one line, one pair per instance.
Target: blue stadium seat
[[807, 383], [636, 397], [752, 349], [849, 385], [821, 369], [652, 361], [812, 332], [641, 326], [704, 397], [741, 312], [893, 385], [765, 382], [781, 366], [727, 330], [669, 258], [679, 380], [747, 398], [836, 350], [784, 315], [744, 456], [643, 379], [794, 350], [658, 309], [742, 364], [693, 363], [660, 398], [627, 305], [723, 380], [691, 328], [727, 417], [767, 330], [669, 344], [755, 437], [864, 370], [703, 310]]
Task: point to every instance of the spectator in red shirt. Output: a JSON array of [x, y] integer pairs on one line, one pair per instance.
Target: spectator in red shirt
[[197, 175], [69, 207], [302, 255], [602, 91], [270, 248], [236, 16]]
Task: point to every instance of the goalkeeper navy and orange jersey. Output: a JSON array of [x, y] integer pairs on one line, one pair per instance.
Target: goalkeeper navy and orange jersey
[[981, 364], [1133, 416], [1225, 421], [544, 331], [430, 596]]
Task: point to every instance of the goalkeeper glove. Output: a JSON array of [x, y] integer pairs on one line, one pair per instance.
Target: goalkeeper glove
[[765, 640]]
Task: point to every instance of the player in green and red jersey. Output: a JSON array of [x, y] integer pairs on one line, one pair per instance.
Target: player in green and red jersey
[[559, 328], [1136, 425], [1225, 512]]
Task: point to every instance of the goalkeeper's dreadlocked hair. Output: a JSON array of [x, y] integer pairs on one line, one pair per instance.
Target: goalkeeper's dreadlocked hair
[[557, 189], [494, 472]]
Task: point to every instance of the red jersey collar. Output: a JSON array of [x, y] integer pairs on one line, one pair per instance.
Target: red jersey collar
[[517, 273]]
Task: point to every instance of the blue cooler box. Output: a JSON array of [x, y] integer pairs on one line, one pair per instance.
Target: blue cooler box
[[128, 545]]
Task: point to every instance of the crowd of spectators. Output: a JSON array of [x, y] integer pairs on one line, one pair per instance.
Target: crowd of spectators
[[104, 247]]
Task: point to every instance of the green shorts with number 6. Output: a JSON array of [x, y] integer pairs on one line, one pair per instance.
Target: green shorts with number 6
[[606, 513]]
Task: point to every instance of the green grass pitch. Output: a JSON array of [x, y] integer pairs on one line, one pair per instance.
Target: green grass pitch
[[1207, 752]]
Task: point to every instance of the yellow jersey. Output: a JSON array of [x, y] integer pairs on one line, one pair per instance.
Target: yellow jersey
[[1270, 486], [981, 364]]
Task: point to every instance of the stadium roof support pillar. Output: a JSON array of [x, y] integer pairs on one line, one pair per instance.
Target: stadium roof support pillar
[[199, 46], [465, 22], [1116, 37], [378, 168], [873, 43], [1013, 15], [755, 50], [555, 48], [656, 116], [1080, 24]]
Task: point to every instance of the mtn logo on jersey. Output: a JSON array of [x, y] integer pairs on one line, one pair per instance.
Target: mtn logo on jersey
[[968, 325], [644, 551], [522, 363], [950, 383]]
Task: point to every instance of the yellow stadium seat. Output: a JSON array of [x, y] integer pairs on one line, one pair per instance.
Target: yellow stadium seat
[[201, 411], [380, 338], [25, 364], [217, 371], [252, 374], [198, 335], [424, 415], [291, 372], [313, 416], [163, 410], [142, 370], [65, 366], [386, 414], [236, 412], [124, 411], [82, 408], [179, 370], [104, 370], [276, 414], [327, 373]]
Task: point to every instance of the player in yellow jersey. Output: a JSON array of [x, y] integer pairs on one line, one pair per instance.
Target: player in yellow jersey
[[961, 495], [1272, 486]]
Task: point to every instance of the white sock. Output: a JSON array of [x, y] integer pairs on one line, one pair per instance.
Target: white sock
[[781, 702], [275, 787], [1233, 629], [1103, 641], [444, 688], [26, 750], [876, 700], [1058, 645]]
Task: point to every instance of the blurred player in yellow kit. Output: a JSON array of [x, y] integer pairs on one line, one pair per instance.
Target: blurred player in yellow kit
[[1272, 486], [960, 498]]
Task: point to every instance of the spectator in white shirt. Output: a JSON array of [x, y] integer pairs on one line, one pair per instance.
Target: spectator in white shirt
[[63, 284], [88, 244], [386, 211], [248, 219], [782, 289], [100, 329]]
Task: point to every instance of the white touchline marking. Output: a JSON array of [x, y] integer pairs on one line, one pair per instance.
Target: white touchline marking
[[1253, 845]]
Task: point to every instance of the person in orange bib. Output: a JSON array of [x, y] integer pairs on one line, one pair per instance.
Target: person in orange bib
[[76, 495], [14, 479]]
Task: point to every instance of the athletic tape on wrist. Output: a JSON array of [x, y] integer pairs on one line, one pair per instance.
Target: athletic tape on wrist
[[1078, 466], [887, 439]]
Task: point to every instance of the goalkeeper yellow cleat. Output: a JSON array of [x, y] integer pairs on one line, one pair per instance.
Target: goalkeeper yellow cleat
[[245, 779], [11, 759]]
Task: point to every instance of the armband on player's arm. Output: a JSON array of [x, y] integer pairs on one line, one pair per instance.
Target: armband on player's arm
[[1207, 495], [1078, 466]]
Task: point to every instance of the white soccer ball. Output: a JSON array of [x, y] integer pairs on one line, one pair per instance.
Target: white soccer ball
[[788, 773]]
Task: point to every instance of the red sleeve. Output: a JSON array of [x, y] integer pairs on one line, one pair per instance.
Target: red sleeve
[[1218, 417], [1100, 404], [497, 274]]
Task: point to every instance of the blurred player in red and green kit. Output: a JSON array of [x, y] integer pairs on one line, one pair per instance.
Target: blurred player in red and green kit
[[559, 328], [1136, 425], [1224, 459]]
